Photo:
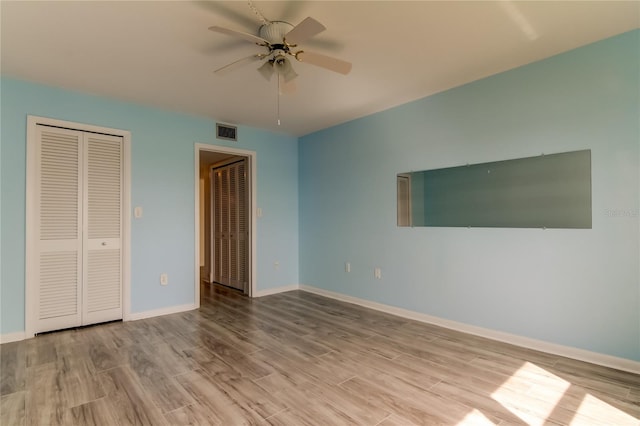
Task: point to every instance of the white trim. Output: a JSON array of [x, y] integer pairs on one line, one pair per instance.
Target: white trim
[[253, 167], [126, 229], [276, 290], [162, 311], [30, 219], [525, 342], [31, 179], [12, 337]]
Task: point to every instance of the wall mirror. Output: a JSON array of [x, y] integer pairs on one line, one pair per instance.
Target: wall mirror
[[546, 191]]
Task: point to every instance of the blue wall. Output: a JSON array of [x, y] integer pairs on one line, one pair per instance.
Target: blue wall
[[330, 197], [577, 288], [162, 171]]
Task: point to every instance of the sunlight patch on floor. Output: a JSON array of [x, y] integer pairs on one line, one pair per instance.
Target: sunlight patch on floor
[[474, 418], [593, 410], [535, 406], [532, 410]]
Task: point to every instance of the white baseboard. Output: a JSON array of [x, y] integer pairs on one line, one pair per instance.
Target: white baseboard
[[270, 291], [162, 311], [525, 342], [12, 337]]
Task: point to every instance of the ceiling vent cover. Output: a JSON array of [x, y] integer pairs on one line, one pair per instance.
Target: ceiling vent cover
[[226, 132]]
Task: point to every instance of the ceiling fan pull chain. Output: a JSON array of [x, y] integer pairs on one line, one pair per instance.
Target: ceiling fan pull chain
[[258, 13], [278, 100]]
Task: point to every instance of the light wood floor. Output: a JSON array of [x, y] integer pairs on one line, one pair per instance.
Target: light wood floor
[[299, 359]]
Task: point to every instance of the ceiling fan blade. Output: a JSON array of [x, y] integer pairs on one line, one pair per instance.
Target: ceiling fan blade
[[292, 10], [332, 64], [245, 36], [235, 64], [229, 11], [304, 30]]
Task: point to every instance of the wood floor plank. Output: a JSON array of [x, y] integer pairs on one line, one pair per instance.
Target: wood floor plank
[[308, 407], [12, 409], [239, 340], [41, 351], [157, 382], [368, 345], [322, 321], [194, 415], [396, 420], [313, 369], [366, 365], [601, 373], [171, 356], [298, 358], [13, 367], [57, 386], [215, 402], [478, 400], [290, 417], [127, 398], [409, 407], [94, 413], [358, 407], [45, 401], [290, 388]]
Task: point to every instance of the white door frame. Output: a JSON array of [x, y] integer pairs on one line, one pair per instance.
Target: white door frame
[[252, 167], [31, 217]]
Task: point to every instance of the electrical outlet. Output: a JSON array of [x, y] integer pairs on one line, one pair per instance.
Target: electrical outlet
[[347, 266], [164, 279], [377, 272], [276, 265]]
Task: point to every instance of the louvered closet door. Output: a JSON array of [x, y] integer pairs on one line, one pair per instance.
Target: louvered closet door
[[102, 298], [78, 228], [216, 252], [230, 228], [239, 229], [58, 257]]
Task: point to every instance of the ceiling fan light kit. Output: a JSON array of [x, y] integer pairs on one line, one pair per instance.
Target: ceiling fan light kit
[[266, 70]]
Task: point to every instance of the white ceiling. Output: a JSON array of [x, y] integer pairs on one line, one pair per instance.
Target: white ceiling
[[160, 53]]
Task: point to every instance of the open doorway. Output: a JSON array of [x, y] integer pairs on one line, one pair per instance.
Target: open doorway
[[225, 222]]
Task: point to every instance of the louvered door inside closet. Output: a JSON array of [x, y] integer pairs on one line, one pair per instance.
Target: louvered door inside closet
[[230, 226], [78, 228]]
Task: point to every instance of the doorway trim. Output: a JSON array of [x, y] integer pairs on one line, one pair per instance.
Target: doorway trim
[[30, 243], [252, 166]]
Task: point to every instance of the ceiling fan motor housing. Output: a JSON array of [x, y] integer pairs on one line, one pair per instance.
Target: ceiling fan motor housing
[[275, 31]]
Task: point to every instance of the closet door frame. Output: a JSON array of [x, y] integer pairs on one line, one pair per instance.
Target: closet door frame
[[31, 219]]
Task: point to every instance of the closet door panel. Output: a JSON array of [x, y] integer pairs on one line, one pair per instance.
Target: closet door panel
[[216, 251], [58, 228], [230, 228], [242, 232], [103, 229]]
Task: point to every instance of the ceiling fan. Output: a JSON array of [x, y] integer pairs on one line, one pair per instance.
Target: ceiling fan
[[280, 40]]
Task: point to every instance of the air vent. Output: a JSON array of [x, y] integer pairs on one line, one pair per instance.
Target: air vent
[[226, 132]]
